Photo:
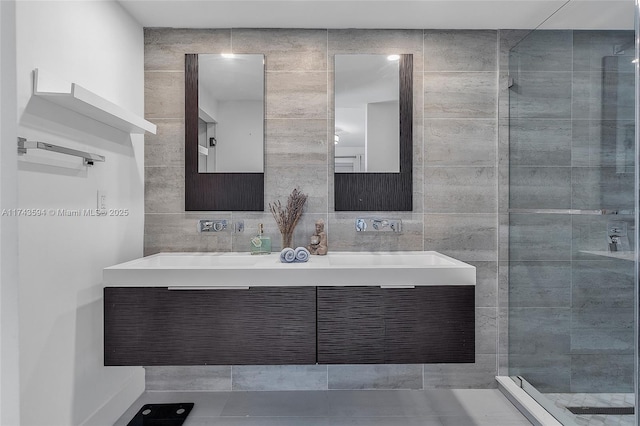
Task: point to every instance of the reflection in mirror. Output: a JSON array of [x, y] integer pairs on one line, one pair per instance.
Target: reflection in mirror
[[230, 113], [367, 113]]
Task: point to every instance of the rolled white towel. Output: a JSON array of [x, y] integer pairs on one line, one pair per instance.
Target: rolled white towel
[[301, 254], [287, 255]]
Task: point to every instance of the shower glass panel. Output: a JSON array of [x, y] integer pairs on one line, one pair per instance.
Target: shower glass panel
[[572, 226]]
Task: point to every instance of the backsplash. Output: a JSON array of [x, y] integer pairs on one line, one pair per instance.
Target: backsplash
[[455, 154]]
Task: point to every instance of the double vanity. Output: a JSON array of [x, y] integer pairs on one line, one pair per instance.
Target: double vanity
[[238, 309]]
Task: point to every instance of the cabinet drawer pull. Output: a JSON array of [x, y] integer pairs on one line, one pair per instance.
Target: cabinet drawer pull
[[201, 287], [397, 286]]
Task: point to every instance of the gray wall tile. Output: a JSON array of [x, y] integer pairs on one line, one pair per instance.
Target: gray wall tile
[[480, 374], [188, 378], [470, 237], [387, 376], [486, 284], [164, 189], [542, 331], [589, 47], [163, 94], [601, 188], [460, 142], [285, 49], [177, 233], [279, 377], [166, 147], [296, 94], [606, 373], [486, 330], [540, 284], [540, 237], [460, 50], [535, 142], [460, 190], [164, 48], [540, 187], [459, 95], [297, 142], [547, 372], [541, 95], [545, 50]]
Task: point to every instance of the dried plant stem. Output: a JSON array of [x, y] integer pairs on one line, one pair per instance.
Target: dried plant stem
[[288, 218]]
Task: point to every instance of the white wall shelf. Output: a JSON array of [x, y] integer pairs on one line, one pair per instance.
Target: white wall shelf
[[87, 103]]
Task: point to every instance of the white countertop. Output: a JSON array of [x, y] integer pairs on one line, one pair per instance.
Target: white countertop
[[233, 270]]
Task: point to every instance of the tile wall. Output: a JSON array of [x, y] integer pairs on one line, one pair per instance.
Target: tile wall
[[456, 176]]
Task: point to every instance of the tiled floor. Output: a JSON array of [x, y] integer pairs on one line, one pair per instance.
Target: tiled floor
[[440, 407], [563, 400]]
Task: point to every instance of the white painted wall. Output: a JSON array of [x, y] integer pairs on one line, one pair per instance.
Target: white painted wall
[[383, 137], [99, 46], [239, 134], [9, 342]]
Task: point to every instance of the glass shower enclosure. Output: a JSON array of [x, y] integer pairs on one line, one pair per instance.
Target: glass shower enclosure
[[572, 223]]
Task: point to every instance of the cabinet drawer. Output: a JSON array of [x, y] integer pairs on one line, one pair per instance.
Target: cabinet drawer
[[372, 325], [157, 326]]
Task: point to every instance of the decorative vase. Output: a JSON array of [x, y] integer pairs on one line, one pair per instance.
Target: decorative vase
[[287, 239]]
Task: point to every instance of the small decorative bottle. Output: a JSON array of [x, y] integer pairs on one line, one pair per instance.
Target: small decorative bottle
[[260, 244]]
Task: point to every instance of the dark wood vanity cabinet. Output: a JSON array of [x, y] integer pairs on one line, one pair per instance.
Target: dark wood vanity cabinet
[[289, 325], [158, 326], [373, 325]]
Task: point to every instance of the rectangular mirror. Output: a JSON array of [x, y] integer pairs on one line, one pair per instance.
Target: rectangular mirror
[[230, 113], [224, 132], [373, 132], [367, 113]]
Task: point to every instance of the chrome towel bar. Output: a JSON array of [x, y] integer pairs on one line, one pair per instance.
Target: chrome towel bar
[[89, 158]]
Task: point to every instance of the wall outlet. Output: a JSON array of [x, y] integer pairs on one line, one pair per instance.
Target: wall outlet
[[102, 200]]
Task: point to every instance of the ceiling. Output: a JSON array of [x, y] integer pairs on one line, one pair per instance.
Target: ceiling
[[397, 14]]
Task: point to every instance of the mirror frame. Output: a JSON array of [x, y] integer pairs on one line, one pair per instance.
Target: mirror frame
[[212, 191], [384, 191]]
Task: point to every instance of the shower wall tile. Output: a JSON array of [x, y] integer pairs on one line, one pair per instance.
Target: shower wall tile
[[606, 373], [546, 372], [542, 331], [388, 376], [590, 46], [540, 142], [460, 94], [296, 94], [540, 284], [475, 50], [540, 187], [163, 94], [540, 237], [508, 39], [588, 101], [549, 50], [460, 142], [541, 95], [285, 49], [188, 378], [468, 237], [595, 188], [604, 143], [166, 147], [164, 48], [480, 375], [604, 340], [279, 377], [460, 190]]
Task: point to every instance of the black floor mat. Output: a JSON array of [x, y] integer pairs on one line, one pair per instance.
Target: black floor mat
[[162, 414], [611, 411]]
